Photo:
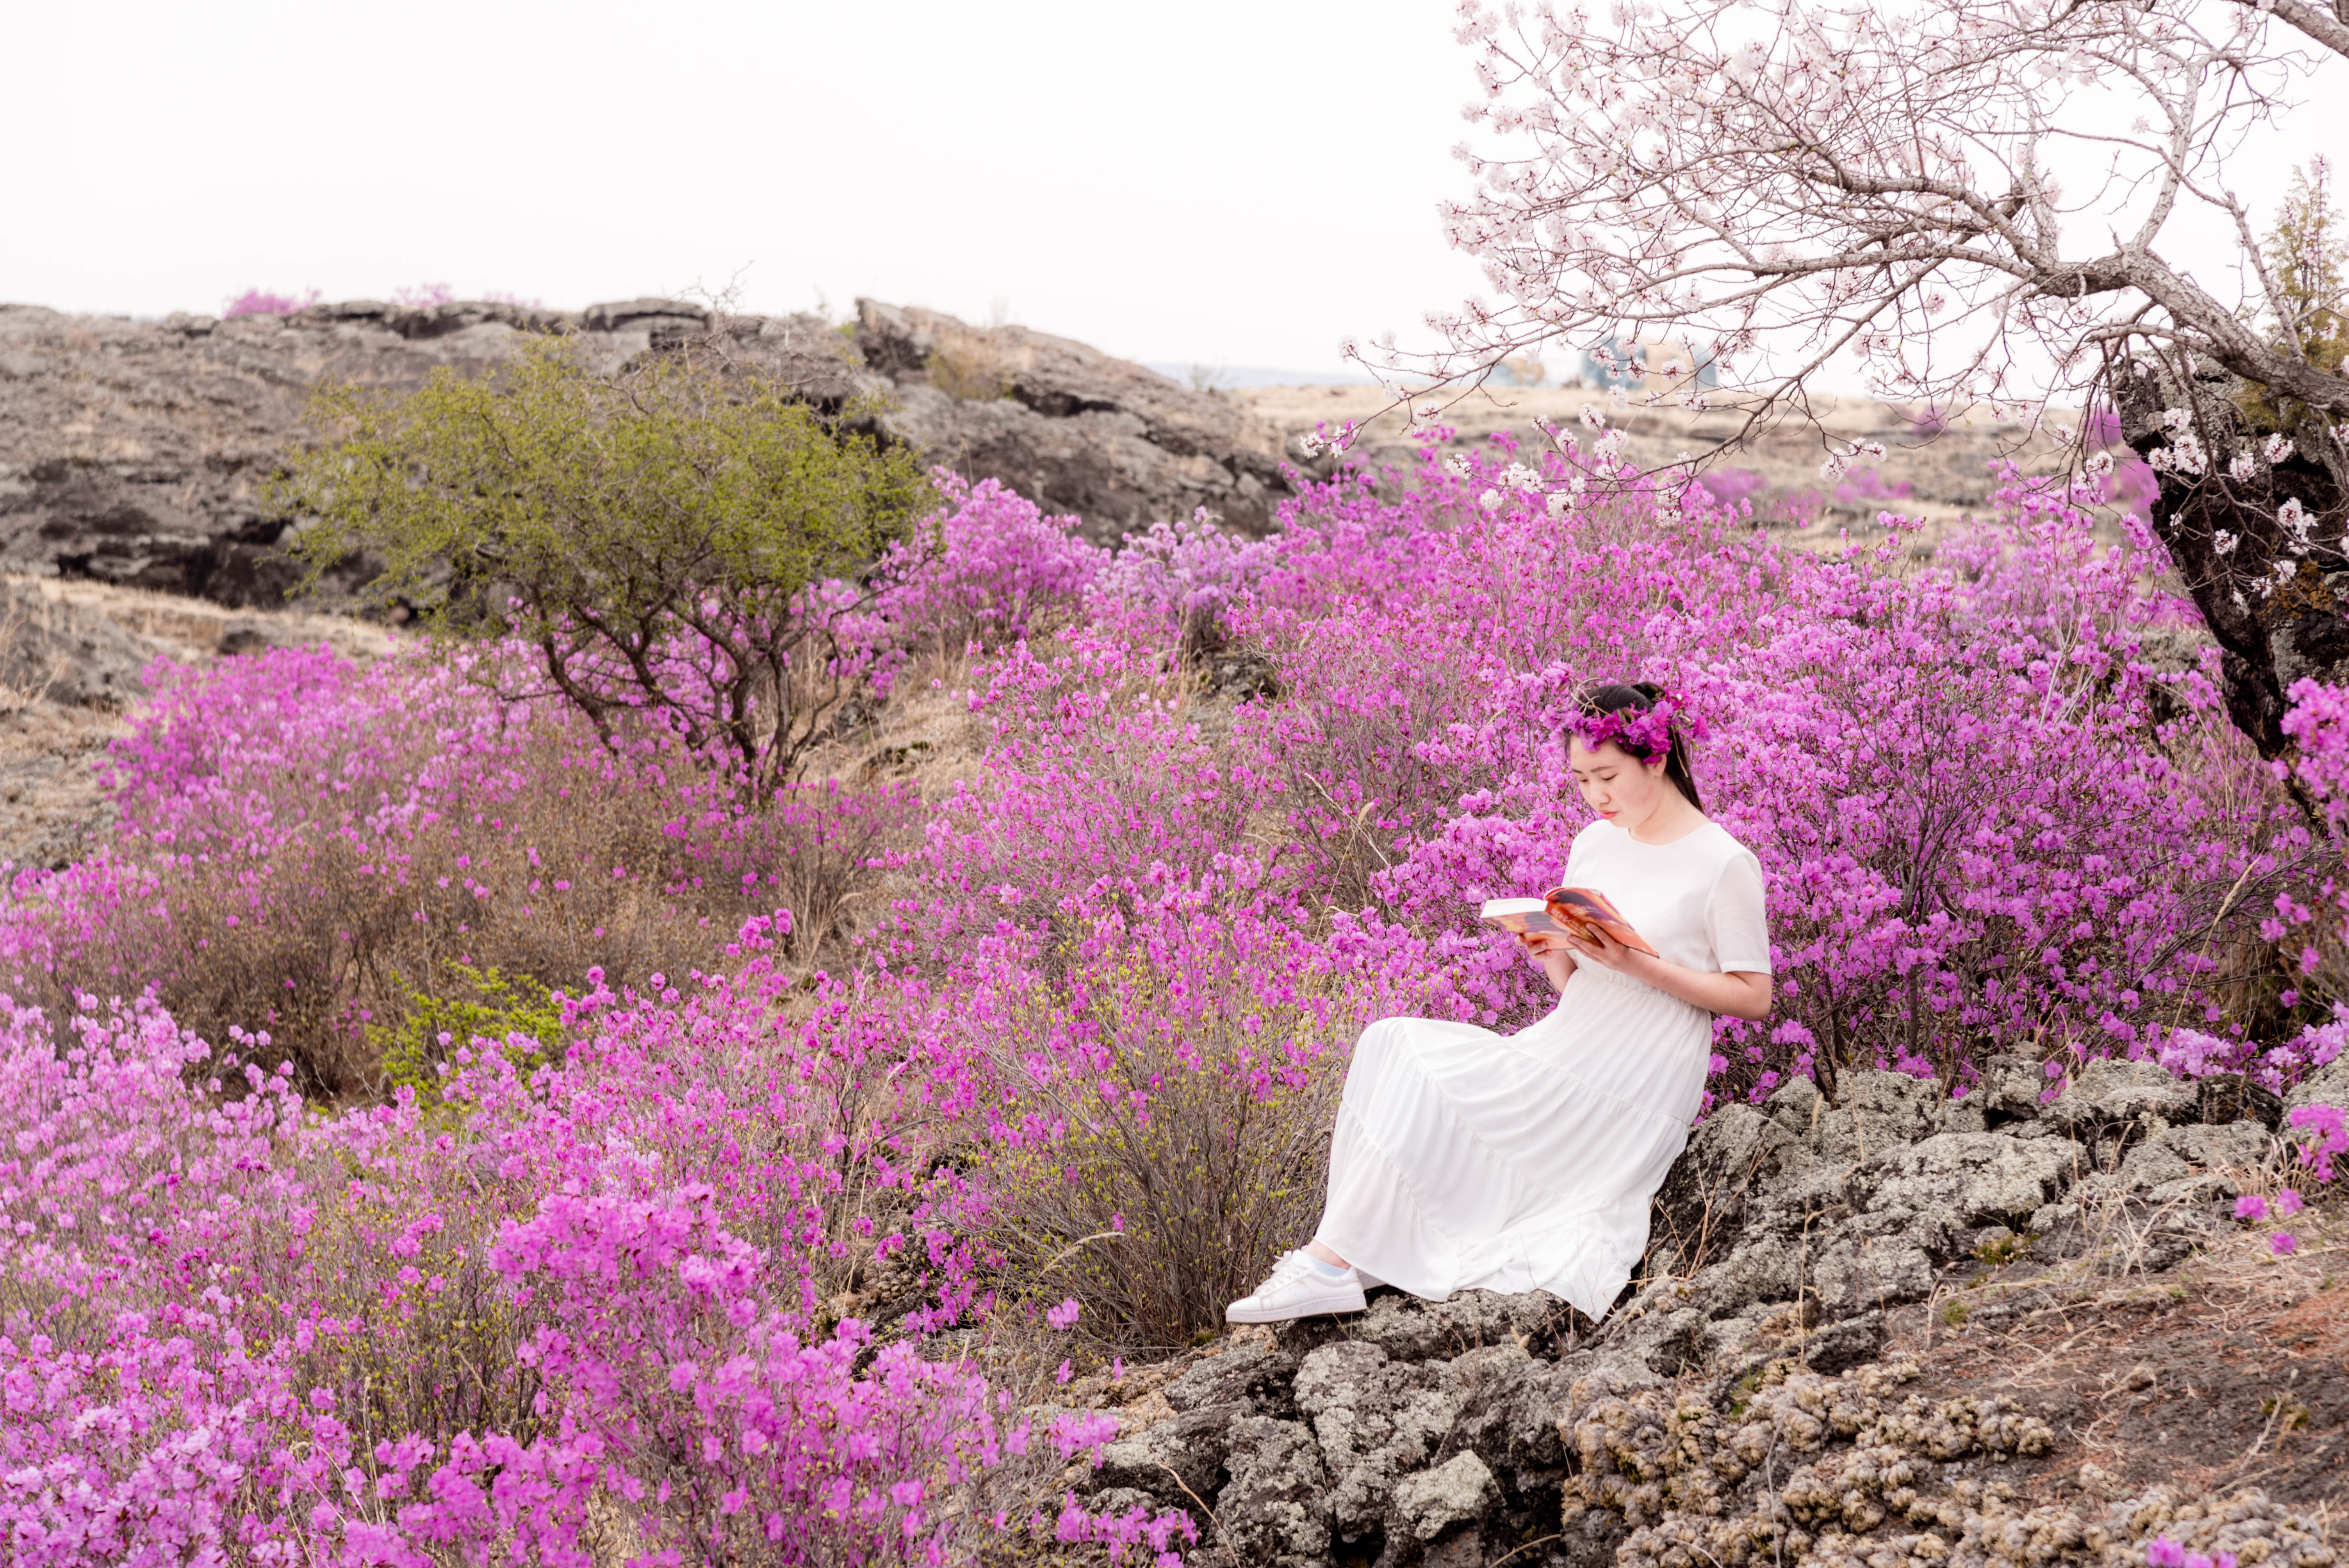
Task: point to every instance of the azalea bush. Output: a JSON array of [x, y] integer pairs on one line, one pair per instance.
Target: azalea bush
[[302, 843]]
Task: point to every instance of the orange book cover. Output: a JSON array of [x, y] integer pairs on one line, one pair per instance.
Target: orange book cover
[[1579, 912]]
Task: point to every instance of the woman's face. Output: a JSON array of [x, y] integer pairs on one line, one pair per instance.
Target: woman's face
[[1616, 784]]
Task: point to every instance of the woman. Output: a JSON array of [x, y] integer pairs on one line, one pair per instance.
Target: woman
[[1464, 1159]]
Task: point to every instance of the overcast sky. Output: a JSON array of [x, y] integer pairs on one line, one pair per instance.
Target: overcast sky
[[1216, 183], [1222, 181]]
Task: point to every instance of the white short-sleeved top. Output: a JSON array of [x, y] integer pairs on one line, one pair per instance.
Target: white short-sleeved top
[[1698, 899]]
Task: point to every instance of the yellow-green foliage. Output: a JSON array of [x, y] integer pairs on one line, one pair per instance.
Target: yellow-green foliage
[[1179, 1170], [479, 1003], [2302, 252], [609, 520]]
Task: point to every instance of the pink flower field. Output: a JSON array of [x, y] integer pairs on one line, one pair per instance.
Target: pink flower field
[[794, 1151]]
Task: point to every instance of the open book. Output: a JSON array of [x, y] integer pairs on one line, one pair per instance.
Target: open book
[[1578, 911]]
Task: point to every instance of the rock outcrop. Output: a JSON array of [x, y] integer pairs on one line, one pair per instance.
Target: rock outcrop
[[1740, 1406], [138, 452]]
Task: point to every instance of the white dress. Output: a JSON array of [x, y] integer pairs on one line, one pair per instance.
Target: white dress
[[1466, 1158]]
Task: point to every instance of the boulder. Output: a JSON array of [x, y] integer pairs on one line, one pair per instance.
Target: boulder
[[1247, 1375], [2110, 1095], [1702, 1201], [1961, 1180], [1179, 1462], [1458, 1492], [2328, 1085], [1068, 426], [1275, 1510], [57, 651], [1875, 1111], [1377, 1421]]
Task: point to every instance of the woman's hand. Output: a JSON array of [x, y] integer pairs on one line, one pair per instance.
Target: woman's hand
[[1550, 951]]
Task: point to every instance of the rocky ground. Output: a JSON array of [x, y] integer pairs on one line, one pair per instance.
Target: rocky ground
[[139, 452], [1892, 1331]]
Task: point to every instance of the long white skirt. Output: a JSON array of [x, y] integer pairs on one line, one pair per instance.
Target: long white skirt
[[1463, 1159]]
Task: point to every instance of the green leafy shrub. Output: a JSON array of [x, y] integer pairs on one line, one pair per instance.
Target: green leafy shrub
[[680, 538], [476, 1004]]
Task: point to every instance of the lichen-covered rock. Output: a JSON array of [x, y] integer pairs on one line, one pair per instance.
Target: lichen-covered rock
[[1736, 1149], [1247, 1374], [1855, 1274], [1873, 1112], [1377, 1421], [1180, 1463], [1457, 1491], [2328, 1085], [1967, 1178], [1275, 1510], [2009, 1090], [2111, 1093]]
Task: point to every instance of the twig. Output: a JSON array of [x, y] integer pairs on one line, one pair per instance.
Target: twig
[[1528, 1546]]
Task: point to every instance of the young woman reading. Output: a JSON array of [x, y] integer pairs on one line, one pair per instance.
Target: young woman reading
[[1463, 1158]]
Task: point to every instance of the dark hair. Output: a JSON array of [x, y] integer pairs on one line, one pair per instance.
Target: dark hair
[[1640, 697]]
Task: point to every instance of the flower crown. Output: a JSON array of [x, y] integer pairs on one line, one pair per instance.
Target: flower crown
[[1646, 732]]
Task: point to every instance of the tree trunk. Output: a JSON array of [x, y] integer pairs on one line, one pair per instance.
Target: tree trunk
[[2269, 635]]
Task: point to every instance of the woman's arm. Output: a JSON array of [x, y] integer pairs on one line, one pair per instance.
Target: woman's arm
[[1741, 993]]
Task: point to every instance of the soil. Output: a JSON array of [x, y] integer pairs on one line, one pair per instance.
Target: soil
[[2229, 1370]]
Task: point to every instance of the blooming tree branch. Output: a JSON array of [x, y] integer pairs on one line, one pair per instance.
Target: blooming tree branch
[[1982, 200]]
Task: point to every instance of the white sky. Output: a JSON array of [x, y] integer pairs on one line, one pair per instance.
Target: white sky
[[1221, 181], [1218, 182]]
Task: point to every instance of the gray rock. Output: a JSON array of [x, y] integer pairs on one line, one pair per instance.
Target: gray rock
[[1967, 1179], [2209, 1187], [1245, 1374], [2225, 1097], [65, 653], [2328, 1085], [1508, 1404], [2232, 1146], [1409, 1328], [1703, 1202], [2110, 1092], [1854, 1275], [619, 316], [1844, 1343], [1275, 1507], [1069, 426], [2150, 1165], [1376, 1421], [1876, 1111], [1180, 1463], [238, 640], [1457, 1491], [1763, 1268], [213, 408], [2009, 1090]]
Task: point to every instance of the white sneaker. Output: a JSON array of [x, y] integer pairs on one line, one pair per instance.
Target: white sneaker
[[1296, 1288]]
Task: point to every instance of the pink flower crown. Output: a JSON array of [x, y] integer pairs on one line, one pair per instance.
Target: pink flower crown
[[1646, 733]]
